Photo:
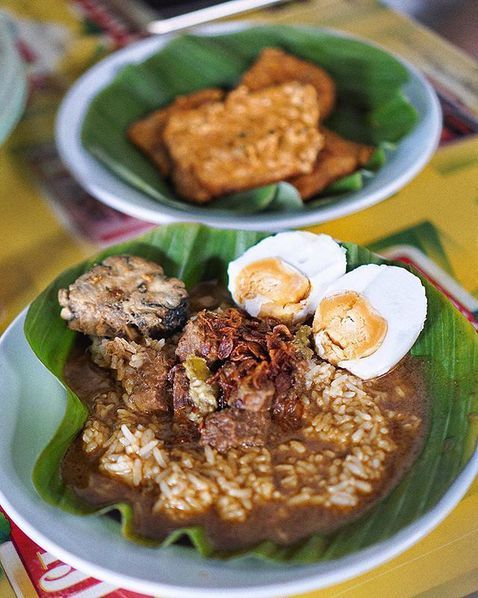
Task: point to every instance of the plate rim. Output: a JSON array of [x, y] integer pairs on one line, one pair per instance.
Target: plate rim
[[13, 101], [71, 149], [340, 571]]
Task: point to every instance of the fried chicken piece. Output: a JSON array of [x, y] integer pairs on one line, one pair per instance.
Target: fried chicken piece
[[274, 66], [250, 139], [147, 133], [142, 370], [125, 296], [338, 158], [231, 428]]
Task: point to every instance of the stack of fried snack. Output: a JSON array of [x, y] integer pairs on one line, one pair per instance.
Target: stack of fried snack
[[268, 129]]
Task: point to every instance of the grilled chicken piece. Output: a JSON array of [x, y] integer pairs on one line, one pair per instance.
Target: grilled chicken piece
[[338, 158], [274, 66], [147, 133], [232, 428], [141, 369], [125, 296], [250, 139]]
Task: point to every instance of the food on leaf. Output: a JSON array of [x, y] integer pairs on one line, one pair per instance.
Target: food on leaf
[[125, 296], [284, 276], [232, 422], [369, 319], [274, 66], [249, 140], [212, 143]]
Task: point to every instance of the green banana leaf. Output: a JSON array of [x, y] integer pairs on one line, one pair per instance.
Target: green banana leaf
[[192, 252], [371, 107], [4, 529]]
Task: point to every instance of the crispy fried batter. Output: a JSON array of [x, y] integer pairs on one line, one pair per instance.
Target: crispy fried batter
[[339, 158], [250, 139], [147, 133], [126, 296], [275, 66]]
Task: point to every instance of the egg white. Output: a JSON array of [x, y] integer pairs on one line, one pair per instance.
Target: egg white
[[399, 297], [318, 257]]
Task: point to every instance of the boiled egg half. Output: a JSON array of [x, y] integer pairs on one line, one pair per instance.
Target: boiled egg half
[[369, 319], [285, 275]]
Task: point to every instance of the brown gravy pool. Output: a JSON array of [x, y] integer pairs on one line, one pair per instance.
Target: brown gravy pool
[[271, 521]]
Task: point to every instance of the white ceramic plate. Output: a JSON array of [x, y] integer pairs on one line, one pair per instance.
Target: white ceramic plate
[[33, 404], [13, 90], [411, 155]]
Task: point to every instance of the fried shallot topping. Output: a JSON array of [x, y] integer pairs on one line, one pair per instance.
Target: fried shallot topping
[[258, 365]]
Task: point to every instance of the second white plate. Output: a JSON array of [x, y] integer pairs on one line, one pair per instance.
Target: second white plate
[[411, 155]]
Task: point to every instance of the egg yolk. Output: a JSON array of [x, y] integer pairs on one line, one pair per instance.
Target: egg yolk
[[346, 326], [278, 287]]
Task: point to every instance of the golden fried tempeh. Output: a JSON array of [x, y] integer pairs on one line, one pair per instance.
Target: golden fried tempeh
[[338, 158], [250, 139], [147, 133], [274, 66]]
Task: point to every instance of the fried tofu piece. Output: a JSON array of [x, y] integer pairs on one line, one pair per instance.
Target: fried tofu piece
[[147, 133], [275, 66], [338, 158], [250, 139]]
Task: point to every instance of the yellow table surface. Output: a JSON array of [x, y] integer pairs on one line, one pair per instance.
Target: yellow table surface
[[35, 245]]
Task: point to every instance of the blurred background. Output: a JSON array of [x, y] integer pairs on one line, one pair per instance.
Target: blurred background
[[456, 20]]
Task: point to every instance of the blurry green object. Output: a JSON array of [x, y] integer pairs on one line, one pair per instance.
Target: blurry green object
[[4, 529], [13, 89]]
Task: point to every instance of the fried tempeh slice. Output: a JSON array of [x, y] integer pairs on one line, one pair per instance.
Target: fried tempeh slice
[[147, 133], [274, 66], [338, 158], [250, 139]]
